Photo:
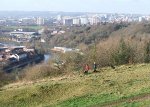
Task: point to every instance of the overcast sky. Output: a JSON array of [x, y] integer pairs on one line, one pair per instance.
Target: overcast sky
[[103, 6]]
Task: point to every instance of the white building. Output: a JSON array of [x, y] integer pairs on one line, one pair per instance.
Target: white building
[[76, 21], [94, 20], [84, 20], [64, 49], [21, 36], [40, 21], [59, 18]]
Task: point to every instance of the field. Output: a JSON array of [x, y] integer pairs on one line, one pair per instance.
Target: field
[[28, 27], [124, 86]]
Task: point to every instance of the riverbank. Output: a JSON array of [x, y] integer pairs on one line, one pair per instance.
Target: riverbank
[[14, 57], [21, 64]]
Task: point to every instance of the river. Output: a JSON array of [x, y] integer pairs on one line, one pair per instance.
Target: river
[[46, 58]]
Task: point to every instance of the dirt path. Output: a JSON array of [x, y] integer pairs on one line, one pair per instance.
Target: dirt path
[[137, 98]]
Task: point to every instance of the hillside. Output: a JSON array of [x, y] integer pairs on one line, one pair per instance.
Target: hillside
[[125, 86], [89, 34]]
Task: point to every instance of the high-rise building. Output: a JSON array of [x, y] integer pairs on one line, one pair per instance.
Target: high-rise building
[[94, 20], [141, 19], [84, 20], [40, 21], [76, 21], [68, 21]]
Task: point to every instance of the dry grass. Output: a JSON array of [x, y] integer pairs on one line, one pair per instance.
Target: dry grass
[[40, 71], [79, 90]]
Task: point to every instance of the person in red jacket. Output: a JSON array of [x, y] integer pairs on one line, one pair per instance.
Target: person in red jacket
[[86, 68]]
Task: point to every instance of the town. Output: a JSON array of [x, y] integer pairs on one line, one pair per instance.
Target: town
[[26, 26], [69, 19], [12, 57]]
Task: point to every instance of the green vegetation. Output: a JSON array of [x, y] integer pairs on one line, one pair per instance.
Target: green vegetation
[[84, 34], [124, 86], [147, 53], [119, 51], [27, 28], [124, 54]]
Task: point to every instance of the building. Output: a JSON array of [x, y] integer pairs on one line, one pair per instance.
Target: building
[[64, 49], [94, 20], [21, 36], [27, 21], [59, 18], [76, 21], [84, 20], [40, 21], [68, 21]]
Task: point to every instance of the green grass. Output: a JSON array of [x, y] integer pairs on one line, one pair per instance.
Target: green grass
[[29, 27], [145, 103], [126, 86]]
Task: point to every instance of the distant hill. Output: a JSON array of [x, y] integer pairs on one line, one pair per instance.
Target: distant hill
[[37, 13], [90, 34]]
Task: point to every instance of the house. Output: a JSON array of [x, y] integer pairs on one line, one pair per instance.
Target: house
[[21, 36], [64, 49]]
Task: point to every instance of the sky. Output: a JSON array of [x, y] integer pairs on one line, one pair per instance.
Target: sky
[[102, 6]]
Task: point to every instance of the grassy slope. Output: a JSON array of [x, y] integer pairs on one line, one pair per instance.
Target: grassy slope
[[124, 86]]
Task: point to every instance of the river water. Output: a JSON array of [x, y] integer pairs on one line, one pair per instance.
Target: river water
[[46, 58]]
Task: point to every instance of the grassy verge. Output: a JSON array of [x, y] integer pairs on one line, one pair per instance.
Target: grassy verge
[[126, 86]]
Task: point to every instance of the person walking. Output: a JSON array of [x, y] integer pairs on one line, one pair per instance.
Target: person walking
[[95, 67]]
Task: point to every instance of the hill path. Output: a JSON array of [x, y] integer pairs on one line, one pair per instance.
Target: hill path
[[142, 97]]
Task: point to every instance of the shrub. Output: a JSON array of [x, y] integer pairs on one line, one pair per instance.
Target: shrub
[[39, 72], [124, 54], [6, 78], [147, 53], [73, 61]]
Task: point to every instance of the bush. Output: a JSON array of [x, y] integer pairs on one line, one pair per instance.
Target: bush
[[147, 53], [124, 54], [39, 72], [71, 62], [6, 78]]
